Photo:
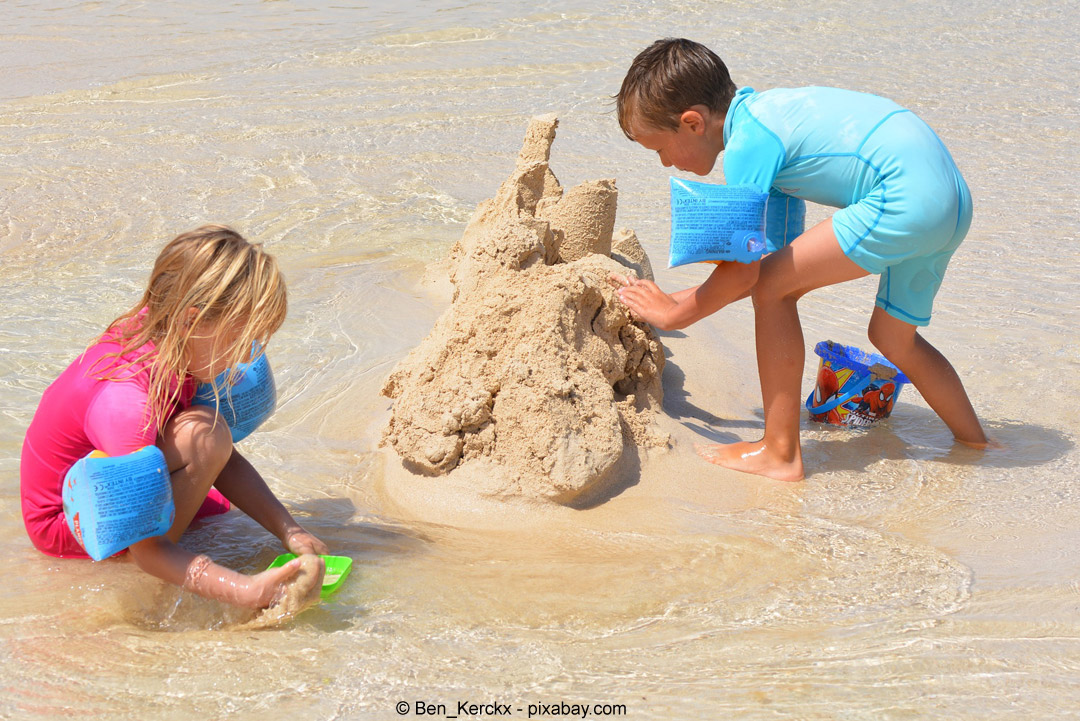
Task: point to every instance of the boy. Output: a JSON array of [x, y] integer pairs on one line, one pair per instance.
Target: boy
[[904, 208]]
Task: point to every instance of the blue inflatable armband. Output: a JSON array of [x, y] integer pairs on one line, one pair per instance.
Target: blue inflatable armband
[[246, 403], [113, 502], [716, 222], [785, 220]]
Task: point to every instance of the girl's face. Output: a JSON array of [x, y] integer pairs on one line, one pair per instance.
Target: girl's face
[[210, 348]]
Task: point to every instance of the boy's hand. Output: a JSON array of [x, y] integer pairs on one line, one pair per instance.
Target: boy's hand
[[299, 541], [644, 299], [620, 281]]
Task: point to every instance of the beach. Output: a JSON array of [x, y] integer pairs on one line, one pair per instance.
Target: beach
[[906, 577]]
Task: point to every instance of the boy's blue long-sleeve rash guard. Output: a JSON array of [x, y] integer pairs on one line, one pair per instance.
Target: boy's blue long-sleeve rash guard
[[802, 144], [903, 204]]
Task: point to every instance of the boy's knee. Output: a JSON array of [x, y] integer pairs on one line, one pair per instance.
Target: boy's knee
[[888, 342], [772, 286], [876, 336], [763, 292], [197, 432]]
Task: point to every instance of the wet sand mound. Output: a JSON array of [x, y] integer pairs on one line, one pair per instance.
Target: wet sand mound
[[535, 371]]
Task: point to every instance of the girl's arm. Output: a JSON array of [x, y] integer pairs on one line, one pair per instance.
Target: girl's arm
[[162, 558], [729, 281], [246, 489]]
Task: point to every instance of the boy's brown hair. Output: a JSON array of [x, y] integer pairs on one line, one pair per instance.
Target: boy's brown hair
[[668, 77]]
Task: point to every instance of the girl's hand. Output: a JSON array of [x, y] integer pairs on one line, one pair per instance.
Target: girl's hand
[[299, 541], [268, 587]]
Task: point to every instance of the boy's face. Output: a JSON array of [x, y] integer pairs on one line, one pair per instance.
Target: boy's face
[[692, 147]]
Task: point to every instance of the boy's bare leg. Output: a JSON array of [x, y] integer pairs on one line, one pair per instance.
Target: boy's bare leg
[[930, 372], [813, 260]]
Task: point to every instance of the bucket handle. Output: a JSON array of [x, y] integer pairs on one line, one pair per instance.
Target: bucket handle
[[854, 386]]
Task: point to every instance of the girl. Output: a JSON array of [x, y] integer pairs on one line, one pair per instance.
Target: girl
[[212, 296]]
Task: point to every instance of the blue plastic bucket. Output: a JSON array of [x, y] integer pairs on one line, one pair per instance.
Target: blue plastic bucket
[[854, 388]]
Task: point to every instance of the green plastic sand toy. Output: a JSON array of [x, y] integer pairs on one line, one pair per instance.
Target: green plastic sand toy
[[337, 569]]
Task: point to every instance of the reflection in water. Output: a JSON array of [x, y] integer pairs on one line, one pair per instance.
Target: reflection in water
[[907, 577]]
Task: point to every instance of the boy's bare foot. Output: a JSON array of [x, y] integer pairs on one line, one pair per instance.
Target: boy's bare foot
[[982, 445], [751, 458]]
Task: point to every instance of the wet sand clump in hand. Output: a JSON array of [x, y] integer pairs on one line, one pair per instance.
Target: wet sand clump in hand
[[301, 592], [536, 370]]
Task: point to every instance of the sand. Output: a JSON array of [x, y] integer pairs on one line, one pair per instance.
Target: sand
[[882, 372], [535, 377]]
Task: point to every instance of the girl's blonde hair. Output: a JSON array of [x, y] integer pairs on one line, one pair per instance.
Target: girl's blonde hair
[[233, 285]]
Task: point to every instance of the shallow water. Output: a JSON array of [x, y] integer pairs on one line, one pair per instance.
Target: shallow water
[[906, 578]]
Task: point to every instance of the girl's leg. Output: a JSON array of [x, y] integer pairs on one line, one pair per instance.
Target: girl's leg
[[930, 372], [196, 450], [813, 260]]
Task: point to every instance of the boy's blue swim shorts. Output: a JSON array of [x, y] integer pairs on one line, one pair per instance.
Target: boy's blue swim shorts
[[910, 222]]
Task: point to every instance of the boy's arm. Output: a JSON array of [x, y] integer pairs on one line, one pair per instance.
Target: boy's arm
[[728, 282], [246, 489], [679, 295]]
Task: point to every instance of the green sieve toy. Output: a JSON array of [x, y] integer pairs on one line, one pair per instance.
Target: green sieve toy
[[337, 568]]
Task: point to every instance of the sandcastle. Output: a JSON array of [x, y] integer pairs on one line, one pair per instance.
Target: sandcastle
[[536, 370]]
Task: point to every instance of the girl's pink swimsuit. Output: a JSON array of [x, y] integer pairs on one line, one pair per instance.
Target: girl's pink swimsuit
[[78, 413]]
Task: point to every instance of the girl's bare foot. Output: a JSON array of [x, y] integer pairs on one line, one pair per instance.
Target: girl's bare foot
[[752, 458]]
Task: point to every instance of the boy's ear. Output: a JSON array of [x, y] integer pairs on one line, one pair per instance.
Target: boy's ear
[[693, 121]]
